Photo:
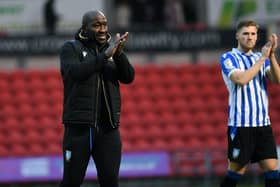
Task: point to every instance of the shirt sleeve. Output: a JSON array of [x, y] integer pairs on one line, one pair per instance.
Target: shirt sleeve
[[228, 64]]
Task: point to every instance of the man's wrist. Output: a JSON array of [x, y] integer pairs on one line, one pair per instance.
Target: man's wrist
[[272, 53], [263, 57]]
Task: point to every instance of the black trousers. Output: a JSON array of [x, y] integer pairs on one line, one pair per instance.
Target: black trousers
[[79, 144]]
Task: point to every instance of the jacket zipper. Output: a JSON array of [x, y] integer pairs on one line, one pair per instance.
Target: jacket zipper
[[97, 94], [107, 104], [96, 106]]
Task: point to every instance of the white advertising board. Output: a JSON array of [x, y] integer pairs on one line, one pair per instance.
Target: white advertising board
[[226, 13]]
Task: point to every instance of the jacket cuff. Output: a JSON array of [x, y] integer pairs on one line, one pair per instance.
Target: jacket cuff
[[119, 56]]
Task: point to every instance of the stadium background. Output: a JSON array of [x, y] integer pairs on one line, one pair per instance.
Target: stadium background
[[173, 120]]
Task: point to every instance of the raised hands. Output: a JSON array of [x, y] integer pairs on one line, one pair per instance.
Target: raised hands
[[270, 47], [115, 46], [274, 40], [266, 49], [123, 39]]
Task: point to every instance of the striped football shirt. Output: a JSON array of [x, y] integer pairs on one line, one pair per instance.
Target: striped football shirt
[[248, 104]]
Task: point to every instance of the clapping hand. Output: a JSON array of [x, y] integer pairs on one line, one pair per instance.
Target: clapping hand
[[123, 39], [115, 47], [266, 49], [274, 40]]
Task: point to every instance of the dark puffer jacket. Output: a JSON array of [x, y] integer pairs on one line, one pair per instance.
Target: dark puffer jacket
[[87, 74]]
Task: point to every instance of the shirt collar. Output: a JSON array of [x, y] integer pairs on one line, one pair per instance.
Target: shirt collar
[[235, 50]]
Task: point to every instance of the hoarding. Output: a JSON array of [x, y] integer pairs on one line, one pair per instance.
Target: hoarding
[[50, 168]]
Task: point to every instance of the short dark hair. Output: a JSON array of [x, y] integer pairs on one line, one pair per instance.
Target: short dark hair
[[246, 23]]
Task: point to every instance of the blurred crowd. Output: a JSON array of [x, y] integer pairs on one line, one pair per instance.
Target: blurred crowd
[[136, 13], [168, 13]]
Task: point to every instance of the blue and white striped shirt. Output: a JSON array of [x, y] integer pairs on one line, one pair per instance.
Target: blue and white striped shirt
[[248, 104]]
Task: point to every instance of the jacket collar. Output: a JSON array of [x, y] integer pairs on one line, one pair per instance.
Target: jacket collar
[[92, 43]]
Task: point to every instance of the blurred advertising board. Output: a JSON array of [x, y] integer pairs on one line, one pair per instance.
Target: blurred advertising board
[[139, 41], [49, 168]]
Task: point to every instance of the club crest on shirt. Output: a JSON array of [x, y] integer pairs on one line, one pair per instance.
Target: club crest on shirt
[[228, 64], [68, 155], [235, 153], [84, 53]]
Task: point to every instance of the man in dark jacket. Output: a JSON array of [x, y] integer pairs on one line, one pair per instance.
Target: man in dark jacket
[[92, 66]]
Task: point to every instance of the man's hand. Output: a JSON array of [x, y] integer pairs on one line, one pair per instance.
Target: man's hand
[[266, 49], [274, 41], [116, 44], [113, 45], [123, 39]]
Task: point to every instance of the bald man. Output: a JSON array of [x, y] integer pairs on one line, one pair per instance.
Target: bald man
[[92, 67]]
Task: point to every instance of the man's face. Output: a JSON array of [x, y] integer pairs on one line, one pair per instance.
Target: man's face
[[247, 37], [97, 28]]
